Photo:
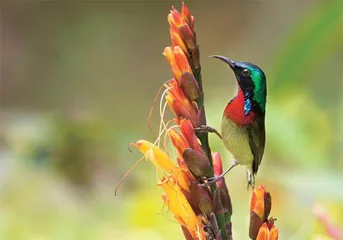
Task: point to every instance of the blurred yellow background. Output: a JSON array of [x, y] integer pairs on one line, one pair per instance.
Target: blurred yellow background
[[78, 79]]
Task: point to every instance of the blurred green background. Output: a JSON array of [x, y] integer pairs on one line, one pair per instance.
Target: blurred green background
[[78, 79]]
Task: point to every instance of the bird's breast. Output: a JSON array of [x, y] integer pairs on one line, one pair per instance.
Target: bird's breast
[[235, 111]]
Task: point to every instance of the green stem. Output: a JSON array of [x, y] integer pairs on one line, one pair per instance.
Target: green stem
[[203, 137]]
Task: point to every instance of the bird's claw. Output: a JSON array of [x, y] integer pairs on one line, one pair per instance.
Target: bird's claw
[[215, 179], [251, 180], [205, 128], [210, 181]]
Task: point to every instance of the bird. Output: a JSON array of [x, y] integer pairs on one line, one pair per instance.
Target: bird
[[243, 122]]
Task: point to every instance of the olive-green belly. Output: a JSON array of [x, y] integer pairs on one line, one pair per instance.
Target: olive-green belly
[[236, 141]]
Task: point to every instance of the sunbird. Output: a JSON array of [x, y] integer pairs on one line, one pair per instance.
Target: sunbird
[[243, 121]]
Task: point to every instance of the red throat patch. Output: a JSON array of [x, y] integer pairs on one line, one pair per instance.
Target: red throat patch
[[235, 111]]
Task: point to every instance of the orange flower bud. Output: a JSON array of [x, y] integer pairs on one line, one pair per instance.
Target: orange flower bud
[[175, 18], [180, 104], [169, 55], [181, 60], [186, 14], [260, 208], [273, 233], [177, 40], [183, 25], [263, 233], [266, 233], [187, 130], [258, 203], [178, 141], [177, 60], [181, 110]]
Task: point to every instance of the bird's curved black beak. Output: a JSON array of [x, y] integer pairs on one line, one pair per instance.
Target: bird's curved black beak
[[231, 63]]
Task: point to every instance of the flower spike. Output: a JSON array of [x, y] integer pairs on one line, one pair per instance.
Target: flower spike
[[203, 212]]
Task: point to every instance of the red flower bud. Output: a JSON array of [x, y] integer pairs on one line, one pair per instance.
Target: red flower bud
[[224, 193]]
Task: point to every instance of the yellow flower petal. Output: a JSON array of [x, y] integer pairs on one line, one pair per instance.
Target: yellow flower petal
[[168, 53], [160, 159], [180, 177], [155, 155], [178, 203]]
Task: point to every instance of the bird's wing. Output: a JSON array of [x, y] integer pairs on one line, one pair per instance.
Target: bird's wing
[[257, 135]]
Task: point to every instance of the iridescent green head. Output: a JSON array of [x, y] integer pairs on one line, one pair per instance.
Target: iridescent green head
[[251, 79]]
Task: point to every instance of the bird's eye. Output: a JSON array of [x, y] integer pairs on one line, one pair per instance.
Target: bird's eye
[[245, 72]]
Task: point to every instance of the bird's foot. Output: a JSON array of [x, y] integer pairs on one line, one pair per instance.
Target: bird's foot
[[215, 179], [251, 180], [205, 128], [211, 181]]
